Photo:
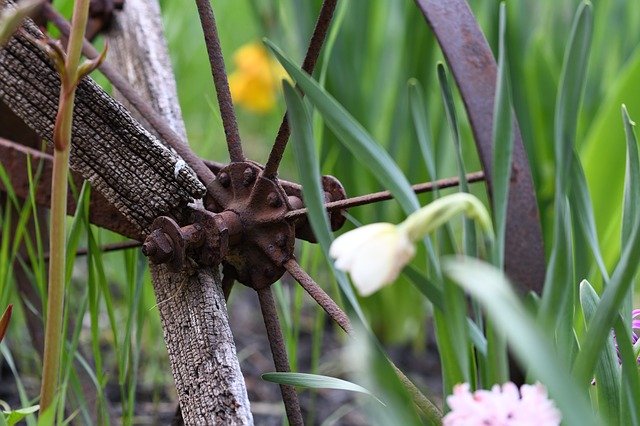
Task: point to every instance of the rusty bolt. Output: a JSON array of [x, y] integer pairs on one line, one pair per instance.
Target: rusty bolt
[[248, 176], [281, 239], [274, 200], [224, 179], [158, 247]]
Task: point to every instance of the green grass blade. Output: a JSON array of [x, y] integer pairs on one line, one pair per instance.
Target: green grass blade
[[607, 372], [528, 341], [316, 381], [502, 143], [77, 226]]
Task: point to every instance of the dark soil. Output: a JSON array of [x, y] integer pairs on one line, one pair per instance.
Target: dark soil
[[158, 406]]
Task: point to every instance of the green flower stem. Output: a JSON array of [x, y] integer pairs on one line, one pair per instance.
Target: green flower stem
[[438, 212], [62, 140]]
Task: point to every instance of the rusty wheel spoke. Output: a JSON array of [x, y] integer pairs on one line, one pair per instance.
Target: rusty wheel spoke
[[313, 52], [279, 352], [220, 80], [318, 294], [376, 197]]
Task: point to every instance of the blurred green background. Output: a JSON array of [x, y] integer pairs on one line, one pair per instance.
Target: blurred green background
[[378, 46]]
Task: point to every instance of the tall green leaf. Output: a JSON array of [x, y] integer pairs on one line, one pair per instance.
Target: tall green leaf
[[557, 306], [582, 211], [469, 235], [631, 198], [607, 372], [570, 91], [502, 143]]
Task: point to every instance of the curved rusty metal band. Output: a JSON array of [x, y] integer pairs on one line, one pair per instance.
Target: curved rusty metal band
[[475, 71]]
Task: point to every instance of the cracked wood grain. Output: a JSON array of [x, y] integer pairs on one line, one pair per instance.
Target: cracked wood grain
[[122, 160], [202, 353]]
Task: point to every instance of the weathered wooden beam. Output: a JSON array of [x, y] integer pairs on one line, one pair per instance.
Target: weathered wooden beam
[[143, 179], [202, 353], [123, 161]]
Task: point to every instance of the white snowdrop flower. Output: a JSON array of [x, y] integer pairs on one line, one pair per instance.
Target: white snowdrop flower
[[375, 254]]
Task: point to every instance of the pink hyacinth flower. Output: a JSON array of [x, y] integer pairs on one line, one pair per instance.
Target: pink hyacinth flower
[[501, 406]]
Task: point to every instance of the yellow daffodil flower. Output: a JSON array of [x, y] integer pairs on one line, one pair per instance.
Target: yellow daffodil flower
[[256, 80], [375, 254]]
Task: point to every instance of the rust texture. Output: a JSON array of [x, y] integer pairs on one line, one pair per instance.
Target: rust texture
[[220, 81], [309, 63], [475, 71], [280, 360]]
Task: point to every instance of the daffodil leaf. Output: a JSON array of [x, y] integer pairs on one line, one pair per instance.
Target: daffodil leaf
[[612, 299], [557, 304], [631, 199], [607, 372], [570, 91], [530, 344], [469, 235], [502, 143]]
